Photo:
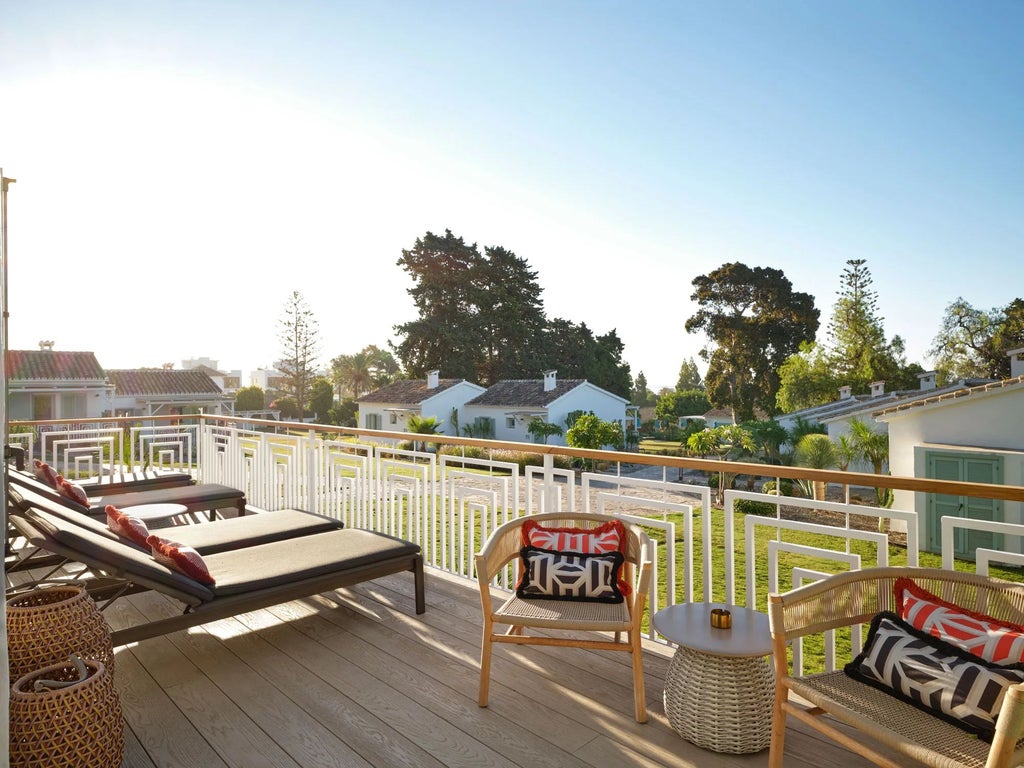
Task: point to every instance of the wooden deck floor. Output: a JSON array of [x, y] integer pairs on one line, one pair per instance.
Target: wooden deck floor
[[355, 678]]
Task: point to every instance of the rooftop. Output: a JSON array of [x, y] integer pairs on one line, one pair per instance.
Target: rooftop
[[524, 393], [407, 391], [146, 381], [46, 364]]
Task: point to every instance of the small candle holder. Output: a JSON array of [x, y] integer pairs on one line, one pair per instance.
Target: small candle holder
[[721, 618]]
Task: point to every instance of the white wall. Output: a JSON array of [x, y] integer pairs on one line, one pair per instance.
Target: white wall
[[440, 405], [991, 422], [586, 397]]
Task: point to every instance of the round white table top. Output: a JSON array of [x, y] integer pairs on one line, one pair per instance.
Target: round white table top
[[689, 625], [155, 512]]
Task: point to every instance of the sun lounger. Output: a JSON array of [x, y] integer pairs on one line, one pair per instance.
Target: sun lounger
[[195, 498], [111, 481], [205, 538], [249, 578]]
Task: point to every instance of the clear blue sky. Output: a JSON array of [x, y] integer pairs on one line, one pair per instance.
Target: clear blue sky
[[183, 166]]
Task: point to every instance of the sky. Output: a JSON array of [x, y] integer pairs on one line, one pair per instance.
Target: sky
[[182, 167]]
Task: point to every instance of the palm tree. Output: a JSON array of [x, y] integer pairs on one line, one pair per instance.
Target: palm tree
[[816, 451], [873, 447], [846, 453], [352, 372], [422, 425]]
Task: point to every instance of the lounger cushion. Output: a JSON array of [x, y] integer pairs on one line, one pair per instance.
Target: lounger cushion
[[982, 635], [209, 493], [951, 683], [250, 530], [44, 473], [126, 526], [180, 558], [271, 565]]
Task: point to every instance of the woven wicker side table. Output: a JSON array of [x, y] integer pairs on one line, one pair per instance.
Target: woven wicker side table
[[720, 685]]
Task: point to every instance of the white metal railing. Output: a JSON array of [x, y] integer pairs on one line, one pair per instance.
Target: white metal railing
[[449, 504]]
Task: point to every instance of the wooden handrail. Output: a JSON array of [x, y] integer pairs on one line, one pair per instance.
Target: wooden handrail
[[949, 487]]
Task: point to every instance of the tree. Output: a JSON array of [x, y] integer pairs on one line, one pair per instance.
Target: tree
[[673, 405], [689, 376], [806, 379], [590, 431], [768, 436], [972, 343], [856, 353], [321, 398], [446, 287], [422, 425], [250, 399], [641, 395], [300, 345], [815, 451], [576, 353], [725, 442], [542, 430], [511, 317], [368, 369], [753, 320], [872, 447]]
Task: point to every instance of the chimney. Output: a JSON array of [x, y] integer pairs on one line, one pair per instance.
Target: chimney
[[550, 380], [845, 392], [433, 379], [927, 380], [877, 388], [1016, 362], [46, 346]]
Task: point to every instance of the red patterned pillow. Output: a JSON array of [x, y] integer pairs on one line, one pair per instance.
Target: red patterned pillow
[[607, 537], [181, 558], [1001, 642], [71, 491], [125, 525], [604, 539], [45, 473]]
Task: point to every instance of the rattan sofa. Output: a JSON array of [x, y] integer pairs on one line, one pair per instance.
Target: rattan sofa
[[916, 736]]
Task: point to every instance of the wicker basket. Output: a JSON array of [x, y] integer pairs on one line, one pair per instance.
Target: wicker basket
[[78, 727], [45, 625]]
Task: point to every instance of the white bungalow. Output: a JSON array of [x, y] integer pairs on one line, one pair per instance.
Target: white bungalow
[[160, 391], [509, 406], [390, 407], [44, 384], [973, 434]]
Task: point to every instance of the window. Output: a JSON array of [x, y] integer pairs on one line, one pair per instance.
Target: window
[[394, 418], [373, 421], [72, 406], [510, 422], [42, 407], [483, 426]]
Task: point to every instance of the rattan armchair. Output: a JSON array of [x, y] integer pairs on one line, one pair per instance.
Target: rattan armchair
[[622, 620], [854, 598]]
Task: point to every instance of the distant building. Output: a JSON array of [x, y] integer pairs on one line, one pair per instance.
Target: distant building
[[157, 392], [43, 384], [390, 407], [509, 406]]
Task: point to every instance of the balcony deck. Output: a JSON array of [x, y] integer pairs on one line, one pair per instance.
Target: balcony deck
[[355, 678]]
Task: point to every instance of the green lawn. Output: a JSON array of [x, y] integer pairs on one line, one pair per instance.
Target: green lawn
[[814, 645]]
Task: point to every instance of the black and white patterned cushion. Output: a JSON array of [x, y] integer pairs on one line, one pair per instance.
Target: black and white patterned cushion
[[551, 575], [934, 675]]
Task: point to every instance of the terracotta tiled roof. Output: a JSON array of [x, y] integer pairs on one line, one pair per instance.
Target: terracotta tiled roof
[[407, 391], [36, 364], [144, 381], [516, 393]]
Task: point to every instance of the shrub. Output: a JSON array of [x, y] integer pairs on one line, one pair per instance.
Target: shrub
[[785, 490], [748, 507]]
